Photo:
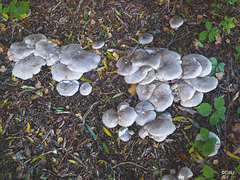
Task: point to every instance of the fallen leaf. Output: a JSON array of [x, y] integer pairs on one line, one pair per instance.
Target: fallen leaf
[[218, 38], [231, 154], [178, 118], [166, 29], [219, 75], [188, 127], [1, 130], [119, 94], [27, 130], [132, 89], [116, 55], [60, 139], [72, 161], [107, 132], [103, 162], [28, 152], [38, 85], [3, 69], [228, 41]]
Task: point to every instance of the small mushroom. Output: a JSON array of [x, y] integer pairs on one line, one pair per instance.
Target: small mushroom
[[125, 134], [146, 113], [191, 67], [85, 89], [125, 67], [138, 76], [19, 50], [151, 76], [185, 91], [203, 84], [98, 45], [67, 88], [144, 92], [122, 106], [175, 22], [169, 177], [145, 38], [110, 118], [194, 101], [162, 97], [216, 146], [33, 39], [126, 116], [184, 173]]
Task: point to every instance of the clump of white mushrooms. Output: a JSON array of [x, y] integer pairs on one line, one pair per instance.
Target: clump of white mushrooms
[[68, 62]]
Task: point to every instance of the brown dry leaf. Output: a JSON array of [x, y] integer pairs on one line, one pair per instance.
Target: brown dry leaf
[[166, 29], [115, 55], [10, 55], [228, 41], [199, 16], [38, 85], [60, 139], [218, 38], [92, 21], [28, 152], [155, 145], [55, 41], [58, 131], [3, 69], [132, 89], [2, 26], [219, 75]]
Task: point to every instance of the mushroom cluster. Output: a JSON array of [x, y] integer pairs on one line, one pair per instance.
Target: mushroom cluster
[[68, 62]]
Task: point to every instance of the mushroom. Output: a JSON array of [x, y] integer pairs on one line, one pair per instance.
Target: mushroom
[[191, 67], [216, 146], [144, 92], [19, 50], [48, 51], [185, 91], [203, 84], [169, 177], [162, 97], [85, 89], [126, 115], [204, 62], [125, 134], [145, 38], [27, 67], [122, 105], [151, 76], [125, 67], [67, 88], [138, 76], [158, 129], [175, 22], [170, 66], [77, 59], [62, 72], [110, 118], [33, 39], [146, 113], [194, 101], [98, 45], [184, 173]]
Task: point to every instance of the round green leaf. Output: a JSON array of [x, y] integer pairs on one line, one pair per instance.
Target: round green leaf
[[200, 178], [219, 102], [238, 110], [238, 49], [207, 148], [208, 25], [105, 147], [203, 35], [204, 134], [208, 171], [5, 10], [213, 71], [212, 140], [211, 37], [222, 109], [213, 61], [214, 119], [204, 109], [0, 7]]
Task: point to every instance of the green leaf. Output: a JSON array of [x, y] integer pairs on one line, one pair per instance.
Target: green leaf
[[105, 147], [213, 5], [219, 102], [222, 109], [5, 16], [85, 79], [117, 12], [12, 7], [16, 15], [208, 25], [198, 144], [238, 110], [5, 10], [211, 37], [0, 7], [226, 18], [207, 149], [238, 169], [27, 87], [203, 35], [212, 140], [32, 141], [213, 61], [223, 23], [237, 56], [213, 71], [231, 25], [91, 132], [200, 178], [204, 109], [208, 171], [214, 119], [231, 19], [204, 134], [220, 69], [114, 44], [219, 6], [22, 7], [221, 115], [238, 49]]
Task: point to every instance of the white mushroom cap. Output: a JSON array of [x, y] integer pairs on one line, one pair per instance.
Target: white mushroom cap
[[146, 113], [170, 66], [217, 145], [125, 134], [145, 38], [62, 72], [144, 92], [184, 173], [85, 89], [162, 97], [67, 88], [191, 67], [19, 50], [98, 45], [33, 39], [77, 59], [151, 76], [194, 101], [126, 116], [27, 67], [204, 62], [138, 76], [110, 118], [185, 91], [169, 177], [165, 115], [125, 67], [176, 21], [203, 84], [48, 51], [122, 106]]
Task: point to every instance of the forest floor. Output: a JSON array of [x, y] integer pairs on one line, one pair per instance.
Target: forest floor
[[42, 132]]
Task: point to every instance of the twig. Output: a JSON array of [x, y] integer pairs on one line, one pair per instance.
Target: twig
[[7, 123], [88, 111], [45, 137], [123, 163], [130, 150]]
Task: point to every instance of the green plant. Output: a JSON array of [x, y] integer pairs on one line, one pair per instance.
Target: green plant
[[210, 33], [206, 109], [233, 1], [227, 23], [215, 66], [237, 57], [238, 109], [188, 1], [208, 173], [15, 10], [218, 5], [206, 146], [238, 169]]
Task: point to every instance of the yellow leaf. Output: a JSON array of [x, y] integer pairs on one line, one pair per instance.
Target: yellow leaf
[[135, 40], [51, 84], [45, 143], [115, 55], [198, 155], [85, 79], [55, 41], [23, 15], [14, 79], [166, 29], [141, 14], [178, 118], [231, 154], [188, 127], [72, 161], [103, 162], [70, 35], [27, 130], [114, 71], [105, 64], [1, 130], [132, 89], [60, 139], [124, 149], [119, 94], [191, 150], [107, 132]]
